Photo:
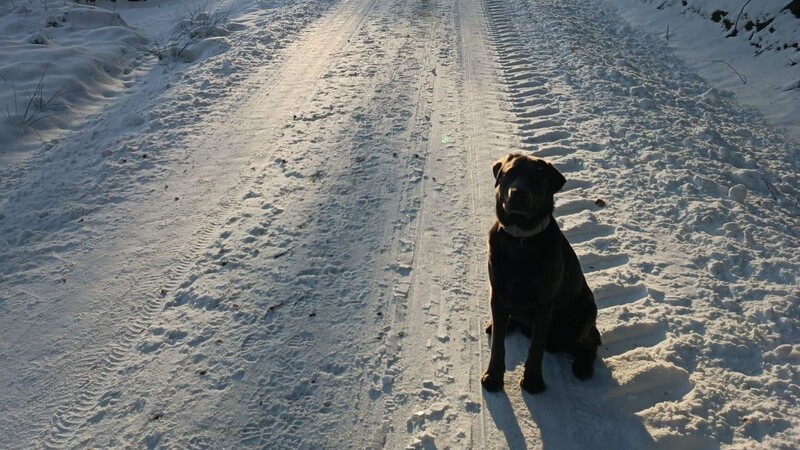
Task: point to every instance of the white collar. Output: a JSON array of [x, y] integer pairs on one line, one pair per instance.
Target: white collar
[[521, 233]]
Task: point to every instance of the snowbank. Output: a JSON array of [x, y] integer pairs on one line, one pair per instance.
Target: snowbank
[[748, 48], [59, 62]]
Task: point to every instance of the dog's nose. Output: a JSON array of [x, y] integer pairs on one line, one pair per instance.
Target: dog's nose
[[517, 198]]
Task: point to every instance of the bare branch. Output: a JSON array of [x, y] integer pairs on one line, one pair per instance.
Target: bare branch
[[736, 24], [741, 77]]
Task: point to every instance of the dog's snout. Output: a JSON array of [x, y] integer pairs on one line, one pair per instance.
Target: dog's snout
[[517, 200], [516, 194]]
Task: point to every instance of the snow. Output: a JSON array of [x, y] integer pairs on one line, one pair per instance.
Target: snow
[[262, 223], [761, 66]]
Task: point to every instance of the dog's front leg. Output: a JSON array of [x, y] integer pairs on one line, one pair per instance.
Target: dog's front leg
[[492, 379], [532, 380]]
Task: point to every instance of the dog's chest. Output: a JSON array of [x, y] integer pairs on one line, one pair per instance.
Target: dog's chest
[[520, 285]]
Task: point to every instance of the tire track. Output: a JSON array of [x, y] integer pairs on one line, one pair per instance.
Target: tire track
[[541, 104], [427, 297], [72, 414], [425, 396], [491, 134], [668, 148], [391, 111], [153, 289], [578, 216]]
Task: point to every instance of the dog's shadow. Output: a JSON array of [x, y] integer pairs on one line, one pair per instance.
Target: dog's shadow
[[570, 414]]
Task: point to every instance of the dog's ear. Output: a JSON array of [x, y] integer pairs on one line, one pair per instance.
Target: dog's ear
[[499, 165], [557, 180], [496, 169]]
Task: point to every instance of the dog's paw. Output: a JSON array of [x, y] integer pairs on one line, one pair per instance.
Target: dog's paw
[[583, 369], [531, 385], [488, 327], [491, 382]]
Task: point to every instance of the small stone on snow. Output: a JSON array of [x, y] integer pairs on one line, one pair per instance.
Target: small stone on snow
[[439, 407], [387, 382], [738, 193]]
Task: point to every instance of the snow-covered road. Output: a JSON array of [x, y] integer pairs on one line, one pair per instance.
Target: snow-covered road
[[297, 259]]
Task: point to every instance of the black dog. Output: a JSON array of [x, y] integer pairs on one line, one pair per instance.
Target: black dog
[[536, 279]]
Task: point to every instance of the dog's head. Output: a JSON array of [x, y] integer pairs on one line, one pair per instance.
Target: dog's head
[[524, 189]]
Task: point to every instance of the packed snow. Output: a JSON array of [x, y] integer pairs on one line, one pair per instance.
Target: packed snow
[[262, 224]]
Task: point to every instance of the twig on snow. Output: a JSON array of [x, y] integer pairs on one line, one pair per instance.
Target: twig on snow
[[771, 188], [272, 308], [284, 253], [741, 77], [736, 24]]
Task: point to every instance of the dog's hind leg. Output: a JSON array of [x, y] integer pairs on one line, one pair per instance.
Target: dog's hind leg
[[584, 349], [585, 352]]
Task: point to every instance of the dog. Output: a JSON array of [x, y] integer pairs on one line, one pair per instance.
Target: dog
[[535, 276]]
